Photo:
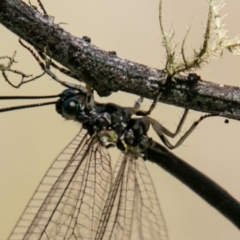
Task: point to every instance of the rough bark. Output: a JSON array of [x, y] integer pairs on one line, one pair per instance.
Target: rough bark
[[106, 72]]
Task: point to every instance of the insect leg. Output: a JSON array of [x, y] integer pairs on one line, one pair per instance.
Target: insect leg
[[60, 69], [155, 101], [153, 105], [45, 67], [137, 105], [148, 112], [162, 131]]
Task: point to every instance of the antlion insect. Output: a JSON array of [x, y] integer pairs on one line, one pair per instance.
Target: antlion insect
[[79, 199]]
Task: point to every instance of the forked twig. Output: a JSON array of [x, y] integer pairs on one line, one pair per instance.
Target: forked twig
[[7, 68]]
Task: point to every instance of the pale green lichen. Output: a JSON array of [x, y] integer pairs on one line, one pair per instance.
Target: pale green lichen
[[215, 41]]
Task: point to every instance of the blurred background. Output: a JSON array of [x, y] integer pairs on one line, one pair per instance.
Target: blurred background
[[31, 139]]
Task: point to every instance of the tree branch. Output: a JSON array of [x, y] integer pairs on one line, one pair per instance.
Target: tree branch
[[106, 72]]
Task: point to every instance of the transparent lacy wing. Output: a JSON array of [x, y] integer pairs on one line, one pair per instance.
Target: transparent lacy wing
[[148, 218], [70, 198], [132, 210]]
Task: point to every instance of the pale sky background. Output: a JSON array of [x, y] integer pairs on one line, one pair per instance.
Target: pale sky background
[[31, 139]]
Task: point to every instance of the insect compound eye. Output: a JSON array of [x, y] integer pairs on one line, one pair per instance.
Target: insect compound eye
[[70, 108]]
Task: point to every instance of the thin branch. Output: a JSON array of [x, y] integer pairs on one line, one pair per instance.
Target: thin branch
[[107, 73], [25, 78]]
